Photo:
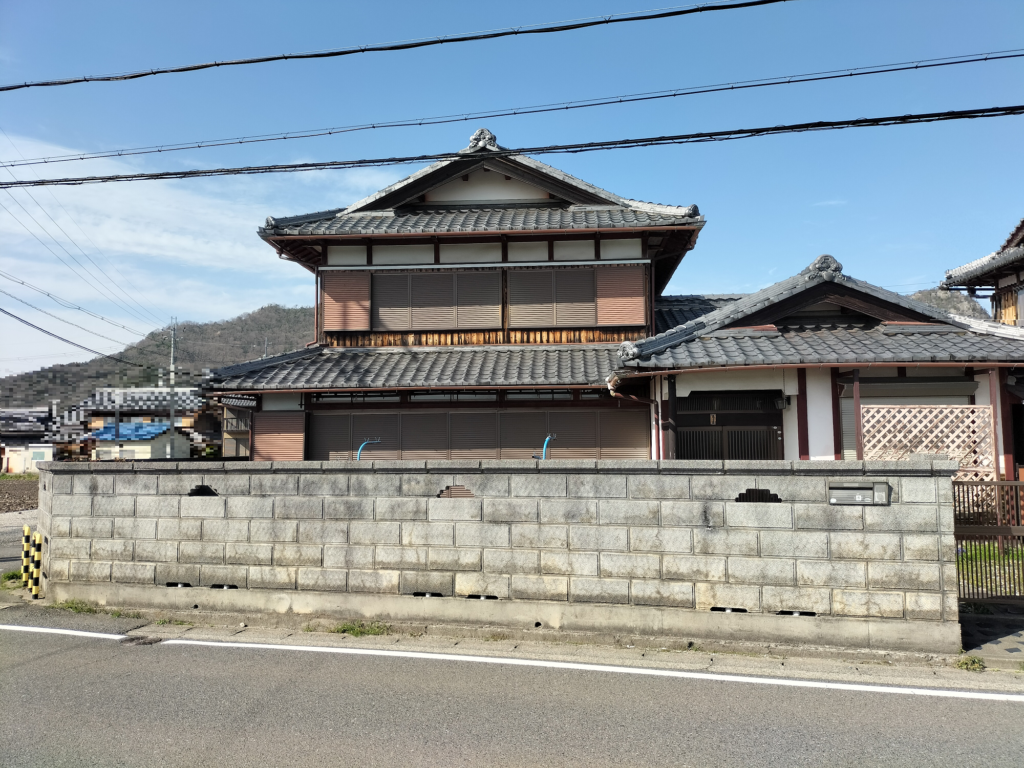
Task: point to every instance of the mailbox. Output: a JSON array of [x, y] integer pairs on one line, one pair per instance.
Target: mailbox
[[863, 493]]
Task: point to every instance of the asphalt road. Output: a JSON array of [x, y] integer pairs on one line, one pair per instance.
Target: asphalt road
[[73, 701]]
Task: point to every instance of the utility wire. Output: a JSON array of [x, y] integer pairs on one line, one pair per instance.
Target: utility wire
[[66, 341], [593, 146], [58, 317], [811, 77], [405, 45], [67, 304]]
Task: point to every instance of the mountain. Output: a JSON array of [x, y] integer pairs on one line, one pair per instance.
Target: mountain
[[952, 301], [198, 346]]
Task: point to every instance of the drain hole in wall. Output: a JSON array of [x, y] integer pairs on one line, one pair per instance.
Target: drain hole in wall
[[481, 597], [537, 625], [178, 584], [203, 490], [194, 607], [762, 495], [224, 586], [427, 594], [723, 609], [797, 613]]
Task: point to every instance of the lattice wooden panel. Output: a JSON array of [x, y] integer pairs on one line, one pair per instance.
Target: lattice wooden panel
[[965, 433]]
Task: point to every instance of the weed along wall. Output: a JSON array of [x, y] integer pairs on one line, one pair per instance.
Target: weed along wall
[[855, 554]]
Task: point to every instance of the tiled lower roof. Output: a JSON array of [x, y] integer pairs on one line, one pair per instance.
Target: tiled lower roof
[[673, 311]]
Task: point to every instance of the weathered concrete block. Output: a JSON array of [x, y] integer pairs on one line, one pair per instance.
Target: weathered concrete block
[[177, 485], [201, 552], [92, 528], [485, 485], [113, 549], [428, 485], [93, 485], [156, 551], [571, 511], [70, 549], [435, 582], [481, 584], [298, 507], [567, 465], [533, 536], [634, 466], [454, 509], [60, 484], [400, 509], [918, 490], [61, 526], [585, 590], [482, 535], [756, 515], [89, 571], [829, 518], [569, 563], [540, 588], [660, 540], [332, 484], [720, 487], [249, 554], [273, 484], [426, 534], [113, 506], [226, 530], [375, 485], [676, 594], [402, 558], [803, 599], [223, 575], [513, 510], [124, 528], [865, 546], [901, 517], [156, 506], [591, 486], [271, 577], [659, 487], [848, 602], [250, 506], [693, 568], [948, 547], [176, 573], [438, 466], [132, 573], [727, 596], [704, 513], [918, 576], [795, 488], [348, 557], [273, 530], [920, 547], [348, 509], [323, 532], [539, 485], [793, 544], [630, 566], [298, 554], [71, 506], [176, 528], [921, 605], [715, 541], [511, 561], [831, 574], [950, 606], [322, 580], [629, 512], [506, 465], [226, 484], [134, 485], [598, 538], [949, 577], [762, 570], [451, 559], [377, 582]]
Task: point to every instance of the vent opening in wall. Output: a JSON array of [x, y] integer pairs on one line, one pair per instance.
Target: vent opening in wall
[[724, 609], [178, 584], [224, 586], [427, 594], [195, 607], [537, 625], [456, 492], [761, 495], [202, 490], [481, 597], [796, 613]]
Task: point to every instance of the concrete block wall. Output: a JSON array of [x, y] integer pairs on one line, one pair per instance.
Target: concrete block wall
[[644, 535]]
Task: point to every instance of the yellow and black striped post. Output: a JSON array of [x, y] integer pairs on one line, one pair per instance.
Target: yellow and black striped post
[[37, 564], [26, 555]]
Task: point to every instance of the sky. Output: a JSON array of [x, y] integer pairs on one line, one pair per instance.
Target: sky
[[896, 205]]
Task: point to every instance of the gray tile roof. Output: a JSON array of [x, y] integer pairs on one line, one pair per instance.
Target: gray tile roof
[[326, 368], [672, 311], [985, 264]]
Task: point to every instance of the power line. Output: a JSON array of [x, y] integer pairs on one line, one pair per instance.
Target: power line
[[405, 45], [810, 77], [57, 317], [66, 341], [593, 146]]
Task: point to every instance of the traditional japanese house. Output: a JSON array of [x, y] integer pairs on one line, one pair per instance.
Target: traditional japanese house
[[472, 310], [1001, 273]]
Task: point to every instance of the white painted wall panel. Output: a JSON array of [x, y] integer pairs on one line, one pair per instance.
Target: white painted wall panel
[[528, 251], [403, 254], [485, 185], [282, 401], [470, 253], [346, 255], [819, 414], [574, 250], [622, 249]]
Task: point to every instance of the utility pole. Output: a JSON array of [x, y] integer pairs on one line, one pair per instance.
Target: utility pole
[[170, 443], [264, 347]]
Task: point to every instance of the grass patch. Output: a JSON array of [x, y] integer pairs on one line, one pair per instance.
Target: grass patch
[[126, 614], [26, 476], [11, 576], [75, 606], [970, 664], [360, 628], [174, 622], [311, 627]]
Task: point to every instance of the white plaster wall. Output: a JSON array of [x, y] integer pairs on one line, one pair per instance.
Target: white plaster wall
[[470, 253], [346, 255], [740, 380], [621, 249], [819, 414], [282, 401], [485, 185], [528, 251], [574, 250], [403, 254]]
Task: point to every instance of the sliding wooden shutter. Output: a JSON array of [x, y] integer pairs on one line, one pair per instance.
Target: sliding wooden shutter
[[625, 435], [376, 425], [391, 310], [576, 433], [575, 298], [278, 436], [346, 301], [474, 435], [433, 301], [330, 437], [522, 434], [531, 298], [620, 296], [425, 436], [479, 299]]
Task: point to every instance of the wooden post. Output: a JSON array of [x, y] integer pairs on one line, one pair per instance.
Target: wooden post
[[803, 439], [1001, 416], [837, 422], [858, 423]]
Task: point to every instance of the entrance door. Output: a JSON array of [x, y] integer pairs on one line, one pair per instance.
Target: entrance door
[[730, 425]]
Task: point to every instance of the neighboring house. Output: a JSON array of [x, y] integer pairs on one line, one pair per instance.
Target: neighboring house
[[1002, 273], [132, 441]]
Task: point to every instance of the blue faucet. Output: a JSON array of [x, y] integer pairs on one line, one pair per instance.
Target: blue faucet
[[544, 452], [367, 442]]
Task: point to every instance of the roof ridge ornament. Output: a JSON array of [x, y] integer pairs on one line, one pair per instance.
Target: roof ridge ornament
[[628, 351], [483, 139], [827, 268]]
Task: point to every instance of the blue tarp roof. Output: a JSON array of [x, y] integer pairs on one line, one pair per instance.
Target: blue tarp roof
[[131, 431]]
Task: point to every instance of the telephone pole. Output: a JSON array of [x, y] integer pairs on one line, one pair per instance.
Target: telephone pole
[[170, 443]]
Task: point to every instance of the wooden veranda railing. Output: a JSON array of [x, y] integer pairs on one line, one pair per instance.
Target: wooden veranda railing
[[989, 532]]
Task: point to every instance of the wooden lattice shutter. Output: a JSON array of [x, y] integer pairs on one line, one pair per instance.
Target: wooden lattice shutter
[[391, 310], [522, 434], [625, 435], [433, 301], [346, 301], [575, 302], [425, 436], [278, 436], [474, 435], [478, 299], [330, 437], [376, 425], [531, 298], [576, 433], [620, 296]]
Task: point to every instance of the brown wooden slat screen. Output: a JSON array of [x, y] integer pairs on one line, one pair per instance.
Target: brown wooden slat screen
[[522, 434], [278, 436], [346, 301], [425, 436], [478, 295], [373, 425], [531, 298], [391, 309], [625, 435], [433, 301], [575, 299], [474, 435], [576, 435], [752, 443], [700, 444], [330, 437], [620, 296]]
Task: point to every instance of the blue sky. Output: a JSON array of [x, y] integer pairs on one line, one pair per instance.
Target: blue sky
[[896, 205]]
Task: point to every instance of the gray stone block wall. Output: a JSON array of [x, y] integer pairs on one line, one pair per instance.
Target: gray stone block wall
[[642, 533]]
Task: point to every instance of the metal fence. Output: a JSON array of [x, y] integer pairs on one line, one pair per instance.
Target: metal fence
[[989, 532]]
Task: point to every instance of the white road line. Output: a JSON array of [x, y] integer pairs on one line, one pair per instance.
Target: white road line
[[72, 632], [618, 670]]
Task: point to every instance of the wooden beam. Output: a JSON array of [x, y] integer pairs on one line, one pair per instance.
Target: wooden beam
[[803, 439], [837, 421], [858, 423]]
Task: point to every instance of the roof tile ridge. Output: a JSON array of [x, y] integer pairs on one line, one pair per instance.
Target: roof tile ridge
[[642, 205]]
